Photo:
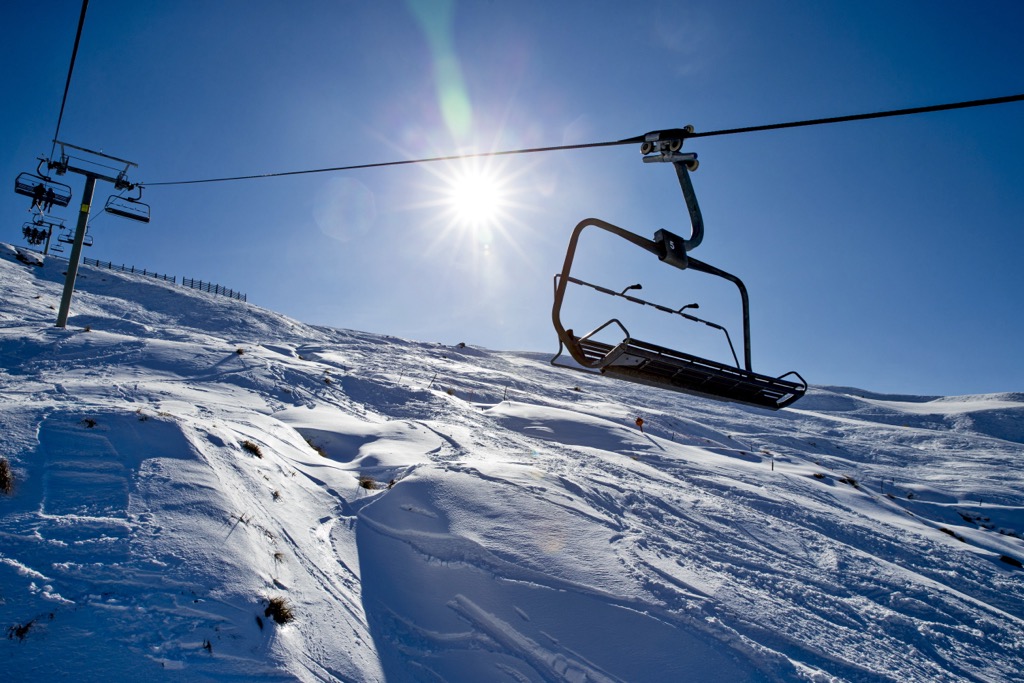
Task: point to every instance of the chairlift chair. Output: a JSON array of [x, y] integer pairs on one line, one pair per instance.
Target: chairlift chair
[[652, 364], [67, 237], [33, 233], [40, 228], [126, 207], [26, 184]]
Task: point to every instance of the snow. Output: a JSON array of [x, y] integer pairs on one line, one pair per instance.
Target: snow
[[437, 513]]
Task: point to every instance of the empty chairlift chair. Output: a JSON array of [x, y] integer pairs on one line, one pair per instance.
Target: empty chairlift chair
[[652, 364], [125, 207]]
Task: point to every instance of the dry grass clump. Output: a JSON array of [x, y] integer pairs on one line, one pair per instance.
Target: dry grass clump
[[6, 477], [252, 448], [279, 610]]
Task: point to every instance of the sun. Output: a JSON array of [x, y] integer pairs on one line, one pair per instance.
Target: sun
[[476, 196], [475, 207]]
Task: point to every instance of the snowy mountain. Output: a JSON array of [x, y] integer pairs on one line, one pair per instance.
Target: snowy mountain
[[189, 470]]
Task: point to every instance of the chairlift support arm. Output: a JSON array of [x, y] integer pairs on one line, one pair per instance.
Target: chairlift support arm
[[664, 146]]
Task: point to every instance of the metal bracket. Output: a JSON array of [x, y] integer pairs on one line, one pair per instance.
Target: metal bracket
[[663, 146]]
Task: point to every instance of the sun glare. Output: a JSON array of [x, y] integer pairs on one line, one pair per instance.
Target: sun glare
[[476, 197], [475, 206]]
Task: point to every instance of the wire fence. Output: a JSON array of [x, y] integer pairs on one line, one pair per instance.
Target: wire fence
[[128, 269], [185, 281], [212, 288]]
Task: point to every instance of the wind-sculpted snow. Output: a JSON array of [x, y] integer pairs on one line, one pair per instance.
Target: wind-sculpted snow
[[439, 512]]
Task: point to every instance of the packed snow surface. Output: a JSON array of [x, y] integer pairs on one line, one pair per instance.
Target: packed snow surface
[[440, 512]]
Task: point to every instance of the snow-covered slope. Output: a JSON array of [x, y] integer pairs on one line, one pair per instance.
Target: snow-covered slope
[[432, 512]]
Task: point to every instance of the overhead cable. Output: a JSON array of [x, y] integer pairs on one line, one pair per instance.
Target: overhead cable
[[612, 143], [71, 70]]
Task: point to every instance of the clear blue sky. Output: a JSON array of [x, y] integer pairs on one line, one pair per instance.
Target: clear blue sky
[[881, 254]]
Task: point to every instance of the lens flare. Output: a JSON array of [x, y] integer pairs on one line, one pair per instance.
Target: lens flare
[[437, 18]]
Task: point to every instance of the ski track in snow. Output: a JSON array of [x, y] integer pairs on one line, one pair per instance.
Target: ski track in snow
[[441, 513]]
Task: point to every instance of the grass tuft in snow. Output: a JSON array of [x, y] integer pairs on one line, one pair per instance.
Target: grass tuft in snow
[[279, 610], [367, 483], [252, 448], [6, 477]]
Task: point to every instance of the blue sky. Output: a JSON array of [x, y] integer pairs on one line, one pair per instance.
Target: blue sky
[[880, 254]]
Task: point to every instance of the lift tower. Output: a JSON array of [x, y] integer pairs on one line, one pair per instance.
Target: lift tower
[[99, 170]]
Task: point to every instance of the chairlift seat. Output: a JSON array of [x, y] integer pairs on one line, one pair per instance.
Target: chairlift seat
[[26, 183], [645, 363]]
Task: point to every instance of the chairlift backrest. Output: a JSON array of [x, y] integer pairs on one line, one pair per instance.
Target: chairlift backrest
[[28, 184]]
